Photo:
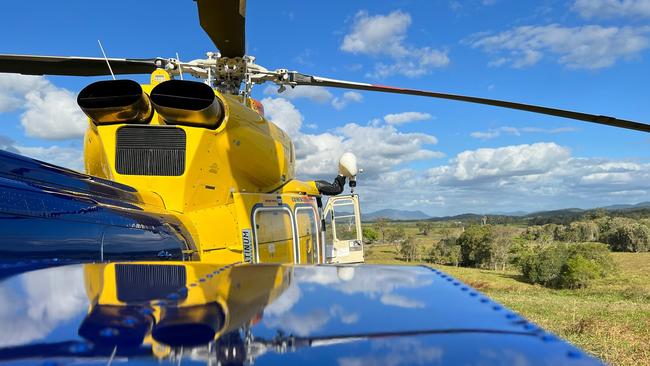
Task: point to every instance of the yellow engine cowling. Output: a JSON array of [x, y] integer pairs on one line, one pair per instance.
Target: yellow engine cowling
[[245, 153], [227, 147]]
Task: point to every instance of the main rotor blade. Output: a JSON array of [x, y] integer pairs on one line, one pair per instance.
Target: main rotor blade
[[75, 66], [301, 79], [225, 22]]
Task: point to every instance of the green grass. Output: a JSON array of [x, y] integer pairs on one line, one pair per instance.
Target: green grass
[[610, 319]]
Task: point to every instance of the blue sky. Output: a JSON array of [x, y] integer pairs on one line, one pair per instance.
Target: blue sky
[[440, 157]]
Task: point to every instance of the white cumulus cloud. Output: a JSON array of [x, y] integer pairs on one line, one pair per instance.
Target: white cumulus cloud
[[13, 89], [515, 131], [348, 97], [583, 47], [49, 112], [509, 161], [67, 157], [612, 8], [385, 35], [284, 114], [378, 148], [406, 117], [528, 177], [314, 93]]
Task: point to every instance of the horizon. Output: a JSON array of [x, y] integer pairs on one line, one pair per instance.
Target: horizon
[[439, 157], [645, 204]]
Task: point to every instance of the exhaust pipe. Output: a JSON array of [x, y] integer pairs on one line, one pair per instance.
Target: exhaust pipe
[[189, 326], [115, 101], [112, 325], [190, 103]]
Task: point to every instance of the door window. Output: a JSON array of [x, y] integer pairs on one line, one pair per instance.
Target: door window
[[307, 234], [274, 235], [345, 224]]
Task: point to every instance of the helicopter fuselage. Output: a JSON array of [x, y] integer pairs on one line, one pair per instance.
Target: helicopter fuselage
[[225, 184]]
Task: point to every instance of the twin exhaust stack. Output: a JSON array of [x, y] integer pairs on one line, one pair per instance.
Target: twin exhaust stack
[[178, 102]]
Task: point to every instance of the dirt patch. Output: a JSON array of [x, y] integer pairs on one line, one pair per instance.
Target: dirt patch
[[479, 285]]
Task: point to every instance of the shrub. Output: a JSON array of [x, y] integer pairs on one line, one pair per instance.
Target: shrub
[[369, 235], [578, 272], [475, 245], [445, 251], [520, 249], [542, 234], [424, 227], [544, 265], [584, 231], [408, 249], [597, 253], [395, 235], [486, 246], [381, 225], [564, 265], [501, 241], [626, 236]]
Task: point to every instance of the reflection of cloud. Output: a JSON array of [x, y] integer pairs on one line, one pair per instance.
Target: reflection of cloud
[[284, 302], [35, 303], [400, 301], [397, 352], [300, 324], [504, 356], [346, 317], [278, 314], [374, 282]]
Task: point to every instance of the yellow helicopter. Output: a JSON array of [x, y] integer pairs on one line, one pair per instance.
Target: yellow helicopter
[[204, 154]]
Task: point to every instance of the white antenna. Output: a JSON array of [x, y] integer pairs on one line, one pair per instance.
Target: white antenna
[[180, 69], [106, 58]]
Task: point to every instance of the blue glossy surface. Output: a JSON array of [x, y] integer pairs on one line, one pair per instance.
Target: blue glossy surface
[[14, 166], [48, 212], [363, 315]]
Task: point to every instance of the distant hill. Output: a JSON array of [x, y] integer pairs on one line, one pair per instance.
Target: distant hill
[[535, 218], [627, 207], [513, 213], [564, 211], [393, 214]]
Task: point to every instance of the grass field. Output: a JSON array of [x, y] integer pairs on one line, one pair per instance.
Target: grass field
[[610, 319]]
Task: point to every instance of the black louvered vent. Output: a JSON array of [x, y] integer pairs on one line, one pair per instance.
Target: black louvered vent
[[145, 282], [144, 150]]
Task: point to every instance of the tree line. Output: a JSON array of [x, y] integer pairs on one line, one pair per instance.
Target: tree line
[[553, 255]]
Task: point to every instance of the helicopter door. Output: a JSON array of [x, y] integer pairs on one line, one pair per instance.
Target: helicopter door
[[307, 234], [344, 243], [274, 239]]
